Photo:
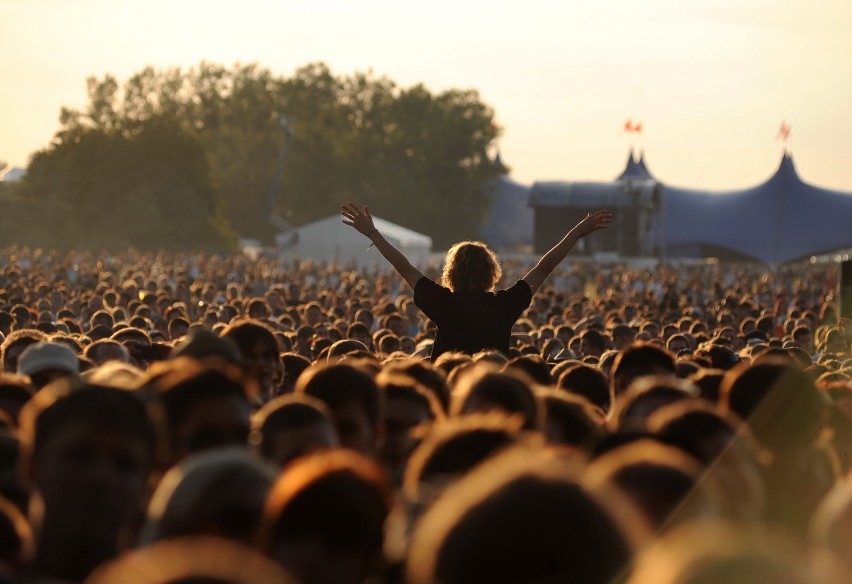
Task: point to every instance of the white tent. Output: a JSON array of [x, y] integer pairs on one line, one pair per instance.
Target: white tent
[[330, 240]]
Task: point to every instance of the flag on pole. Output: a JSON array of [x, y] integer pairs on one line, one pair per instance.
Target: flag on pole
[[632, 128]]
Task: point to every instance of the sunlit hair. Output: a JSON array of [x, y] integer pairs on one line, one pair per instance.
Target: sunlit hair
[[470, 266]]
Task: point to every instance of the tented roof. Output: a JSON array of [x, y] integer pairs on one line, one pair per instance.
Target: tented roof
[[635, 169], [330, 239], [781, 220], [634, 180], [509, 222]]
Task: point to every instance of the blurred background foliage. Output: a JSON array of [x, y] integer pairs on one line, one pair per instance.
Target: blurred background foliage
[[192, 159]]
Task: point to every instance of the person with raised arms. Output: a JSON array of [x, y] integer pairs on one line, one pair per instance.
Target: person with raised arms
[[469, 314]]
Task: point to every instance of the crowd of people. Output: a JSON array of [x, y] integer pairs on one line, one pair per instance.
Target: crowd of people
[[217, 419]]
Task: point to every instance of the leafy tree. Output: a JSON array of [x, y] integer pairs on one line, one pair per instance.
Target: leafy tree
[[415, 156], [97, 187]]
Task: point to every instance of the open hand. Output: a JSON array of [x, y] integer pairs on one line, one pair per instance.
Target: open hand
[[593, 222], [353, 216]]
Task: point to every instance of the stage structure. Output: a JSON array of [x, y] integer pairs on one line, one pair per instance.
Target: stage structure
[[634, 197]]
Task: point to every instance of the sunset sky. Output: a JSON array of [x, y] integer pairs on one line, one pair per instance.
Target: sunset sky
[[711, 80]]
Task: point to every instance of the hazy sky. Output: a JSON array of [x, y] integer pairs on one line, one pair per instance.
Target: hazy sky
[[711, 80]]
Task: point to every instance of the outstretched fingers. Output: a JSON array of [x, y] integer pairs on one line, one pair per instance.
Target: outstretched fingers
[[350, 209], [602, 218]]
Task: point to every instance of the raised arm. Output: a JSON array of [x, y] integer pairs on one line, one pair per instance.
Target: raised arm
[[363, 222], [554, 257]]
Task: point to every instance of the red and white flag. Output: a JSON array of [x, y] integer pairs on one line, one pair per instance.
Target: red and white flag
[[632, 128]]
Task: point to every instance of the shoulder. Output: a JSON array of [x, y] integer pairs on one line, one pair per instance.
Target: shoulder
[[521, 288], [518, 295], [426, 288]]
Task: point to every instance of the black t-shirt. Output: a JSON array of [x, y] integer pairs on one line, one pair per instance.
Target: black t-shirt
[[471, 321]]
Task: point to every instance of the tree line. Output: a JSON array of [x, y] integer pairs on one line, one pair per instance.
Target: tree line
[[193, 159]]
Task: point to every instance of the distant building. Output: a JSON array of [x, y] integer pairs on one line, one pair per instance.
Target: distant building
[[508, 225], [780, 220], [634, 197]]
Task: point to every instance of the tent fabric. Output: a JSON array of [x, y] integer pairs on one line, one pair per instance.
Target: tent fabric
[[509, 222], [612, 195], [330, 240], [635, 169], [634, 181], [781, 220]]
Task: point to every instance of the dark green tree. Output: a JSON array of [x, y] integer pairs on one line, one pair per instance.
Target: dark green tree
[[149, 187], [418, 158]]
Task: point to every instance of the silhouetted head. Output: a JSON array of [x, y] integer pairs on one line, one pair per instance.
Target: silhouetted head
[[470, 266]]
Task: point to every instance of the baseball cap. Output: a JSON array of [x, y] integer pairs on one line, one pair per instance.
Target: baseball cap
[[48, 356]]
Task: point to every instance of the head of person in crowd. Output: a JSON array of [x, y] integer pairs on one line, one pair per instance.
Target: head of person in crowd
[[678, 344], [354, 400], [777, 400], [259, 351], [452, 363], [138, 344], [532, 366], [407, 405], [636, 361], [646, 395], [396, 324], [304, 337], [101, 318], [571, 420], [258, 309], [586, 381], [105, 350], [708, 382], [788, 416], [725, 449], [291, 426], [564, 529], [622, 336], [482, 389], [47, 361], [835, 342], [7, 323], [218, 492], [324, 518], [664, 482], [314, 314], [294, 365], [203, 344], [720, 356], [178, 327], [426, 375], [592, 343], [450, 449], [207, 404], [88, 451], [15, 391], [804, 338], [15, 344], [358, 331]]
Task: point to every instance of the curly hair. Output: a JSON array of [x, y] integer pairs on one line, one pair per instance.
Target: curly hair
[[470, 266]]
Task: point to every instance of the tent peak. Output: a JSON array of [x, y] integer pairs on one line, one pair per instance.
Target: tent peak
[[786, 168], [498, 160], [635, 168]]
